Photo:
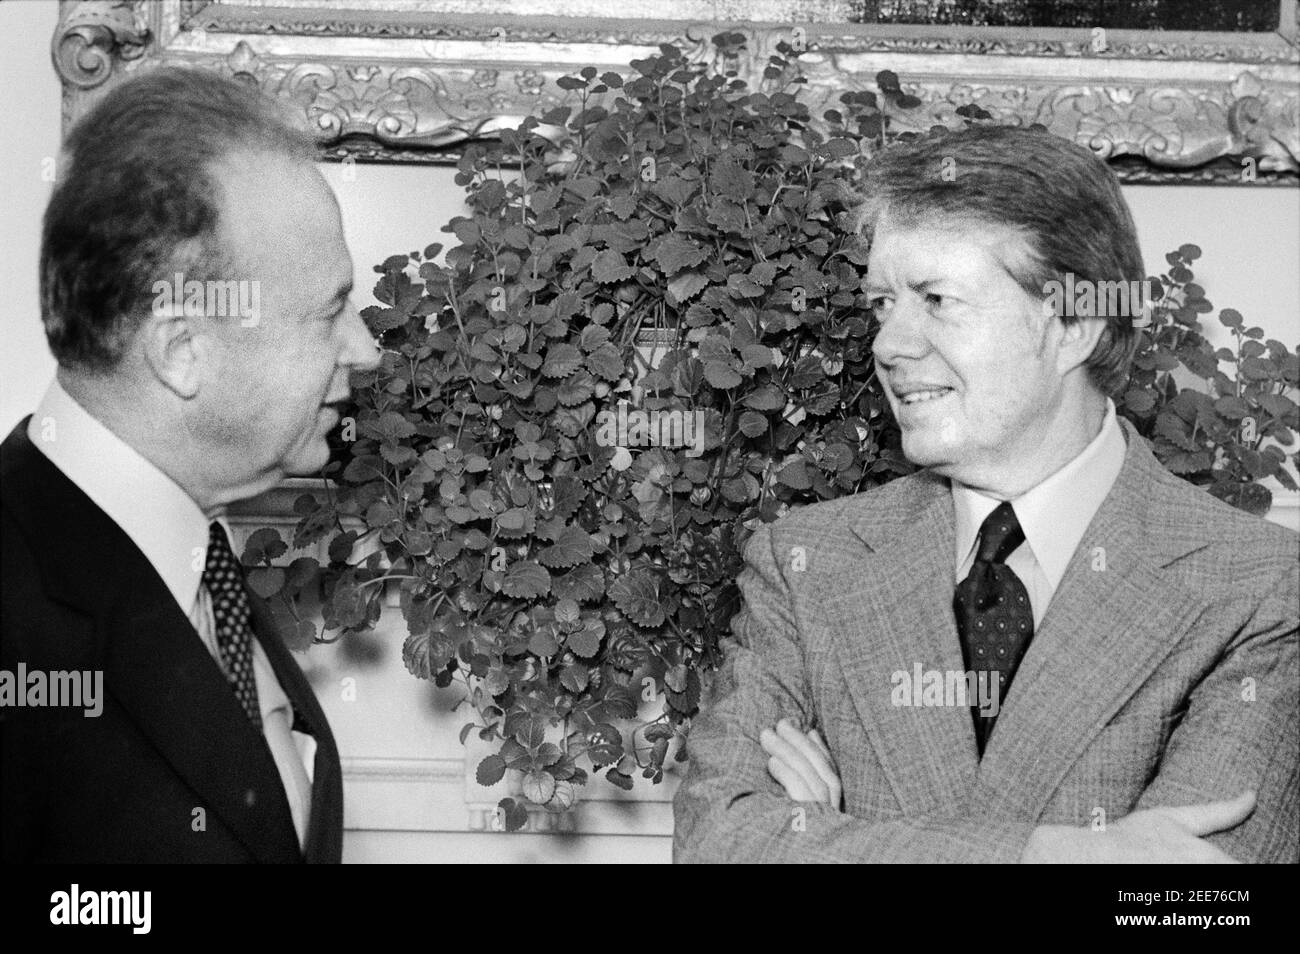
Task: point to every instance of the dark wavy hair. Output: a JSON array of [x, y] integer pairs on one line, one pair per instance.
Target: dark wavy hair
[[1063, 201], [136, 202]]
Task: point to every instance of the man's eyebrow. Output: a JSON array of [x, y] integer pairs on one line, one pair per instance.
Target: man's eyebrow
[[872, 288], [928, 283]]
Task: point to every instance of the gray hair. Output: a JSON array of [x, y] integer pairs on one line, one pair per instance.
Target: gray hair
[[1060, 198], [136, 202]]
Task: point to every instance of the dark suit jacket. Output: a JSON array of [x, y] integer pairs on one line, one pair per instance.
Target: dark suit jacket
[[128, 785], [1165, 672]]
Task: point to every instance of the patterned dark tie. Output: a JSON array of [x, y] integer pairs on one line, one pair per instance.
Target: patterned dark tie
[[225, 582], [994, 619]]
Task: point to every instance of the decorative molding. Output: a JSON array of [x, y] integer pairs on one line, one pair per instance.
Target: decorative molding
[[433, 795], [92, 35], [381, 83]]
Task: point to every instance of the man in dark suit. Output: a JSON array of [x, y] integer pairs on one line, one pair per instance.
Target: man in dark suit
[[195, 291], [1040, 647]]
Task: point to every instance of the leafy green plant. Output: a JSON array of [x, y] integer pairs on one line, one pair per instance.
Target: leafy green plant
[[678, 242], [1217, 437]]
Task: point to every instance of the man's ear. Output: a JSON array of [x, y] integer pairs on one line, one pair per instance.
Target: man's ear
[[174, 352], [1079, 337]]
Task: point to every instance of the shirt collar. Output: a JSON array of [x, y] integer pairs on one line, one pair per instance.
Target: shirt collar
[[152, 509], [1054, 514]]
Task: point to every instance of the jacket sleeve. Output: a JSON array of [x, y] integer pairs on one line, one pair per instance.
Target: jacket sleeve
[[1241, 730], [729, 809]]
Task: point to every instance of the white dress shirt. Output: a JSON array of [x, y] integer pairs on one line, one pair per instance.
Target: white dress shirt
[[1054, 515], [172, 533]]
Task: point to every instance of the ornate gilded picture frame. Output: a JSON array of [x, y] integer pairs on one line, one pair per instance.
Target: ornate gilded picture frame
[[412, 80]]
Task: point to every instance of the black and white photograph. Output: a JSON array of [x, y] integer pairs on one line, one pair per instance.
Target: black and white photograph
[[697, 431]]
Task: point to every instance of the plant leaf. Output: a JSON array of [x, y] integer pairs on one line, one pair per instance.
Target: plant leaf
[[752, 424], [490, 771], [266, 581], [795, 475], [264, 544], [610, 266], [586, 641], [636, 594], [721, 375], [513, 813], [583, 583], [421, 656], [562, 360], [686, 286], [573, 546], [676, 252], [604, 744], [526, 580], [606, 362]]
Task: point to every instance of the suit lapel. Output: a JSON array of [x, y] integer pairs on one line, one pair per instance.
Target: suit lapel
[[891, 609], [1112, 620], [324, 829], [159, 671], [155, 665]]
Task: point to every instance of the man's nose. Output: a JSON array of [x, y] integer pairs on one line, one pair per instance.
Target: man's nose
[[360, 352], [900, 335]]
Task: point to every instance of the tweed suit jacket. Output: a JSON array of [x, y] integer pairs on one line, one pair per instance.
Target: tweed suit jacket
[[1166, 671]]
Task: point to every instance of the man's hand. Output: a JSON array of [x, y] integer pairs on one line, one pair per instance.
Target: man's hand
[[802, 764], [1154, 835]]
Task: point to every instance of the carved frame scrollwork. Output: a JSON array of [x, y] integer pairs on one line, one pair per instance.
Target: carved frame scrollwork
[[391, 85]]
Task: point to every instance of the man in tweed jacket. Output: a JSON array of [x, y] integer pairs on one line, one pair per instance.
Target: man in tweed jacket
[[1155, 714]]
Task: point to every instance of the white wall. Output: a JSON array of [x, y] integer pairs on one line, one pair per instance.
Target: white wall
[[1250, 240], [29, 103], [406, 792]]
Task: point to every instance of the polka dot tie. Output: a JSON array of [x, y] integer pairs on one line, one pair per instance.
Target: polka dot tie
[[994, 619], [224, 579]]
